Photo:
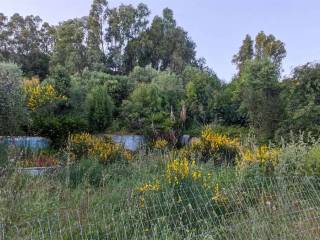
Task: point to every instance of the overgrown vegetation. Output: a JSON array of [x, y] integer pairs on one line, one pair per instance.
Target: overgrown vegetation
[[248, 168]]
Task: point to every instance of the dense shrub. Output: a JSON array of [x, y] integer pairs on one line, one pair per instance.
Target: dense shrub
[[11, 99], [40, 95], [57, 128], [312, 161], [213, 146], [99, 109], [299, 156], [100, 148], [255, 161]]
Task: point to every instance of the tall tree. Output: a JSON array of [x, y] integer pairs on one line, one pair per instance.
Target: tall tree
[[267, 46], [201, 91], [302, 96], [70, 49], [164, 45], [26, 41], [11, 99], [245, 53], [96, 48], [124, 24], [260, 96]]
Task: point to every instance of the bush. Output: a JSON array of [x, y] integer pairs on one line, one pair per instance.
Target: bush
[[102, 149], [11, 99], [57, 128], [312, 161], [299, 156], [99, 109], [214, 146], [257, 160]]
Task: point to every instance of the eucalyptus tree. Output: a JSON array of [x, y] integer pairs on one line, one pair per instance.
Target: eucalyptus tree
[[95, 41]]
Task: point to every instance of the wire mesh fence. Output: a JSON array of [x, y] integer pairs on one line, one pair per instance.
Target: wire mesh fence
[[271, 208]]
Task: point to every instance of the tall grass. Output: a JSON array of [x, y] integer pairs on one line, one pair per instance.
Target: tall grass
[[89, 200]]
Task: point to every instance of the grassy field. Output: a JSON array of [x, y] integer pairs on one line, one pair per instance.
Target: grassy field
[[135, 200]]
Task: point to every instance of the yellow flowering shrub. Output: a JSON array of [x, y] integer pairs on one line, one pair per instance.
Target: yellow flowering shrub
[[181, 170], [263, 156], [38, 95], [149, 187], [160, 144], [213, 145], [85, 144]]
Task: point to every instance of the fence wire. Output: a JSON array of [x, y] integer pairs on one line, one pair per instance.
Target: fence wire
[[275, 208]]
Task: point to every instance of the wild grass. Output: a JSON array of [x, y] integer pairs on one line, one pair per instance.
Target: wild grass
[[89, 200]]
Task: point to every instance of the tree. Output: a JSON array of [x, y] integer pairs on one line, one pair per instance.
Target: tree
[[302, 96], [27, 42], [95, 42], [144, 102], [260, 96], [171, 91], [164, 45], [69, 49], [61, 80], [11, 99], [245, 53], [124, 24], [142, 74], [201, 91], [265, 46], [99, 109]]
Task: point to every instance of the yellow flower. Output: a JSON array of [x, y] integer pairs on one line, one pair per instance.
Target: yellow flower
[[160, 144], [181, 170], [101, 148], [149, 187], [218, 195], [39, 95], [196, 175], [262, 154]]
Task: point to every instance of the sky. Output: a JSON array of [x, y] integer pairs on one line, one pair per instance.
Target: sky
[[216, 26]]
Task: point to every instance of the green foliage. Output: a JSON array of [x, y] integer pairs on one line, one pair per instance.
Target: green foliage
[[299, 156], [11, 99], [61, 80], [4, 156], [99, 109], [57, 128], [201, 94], [312, 161], [69, 49], [245, 53], [227, 105], [171, 90], [26, 41], [302, 98], [142, 74], [118, 87], [144, 102], [124, 24], [95, 43], [266, 47], [88, 171], [260, 97], [164, 45]]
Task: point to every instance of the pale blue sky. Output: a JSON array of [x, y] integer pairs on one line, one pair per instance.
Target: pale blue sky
[[217, 26]]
